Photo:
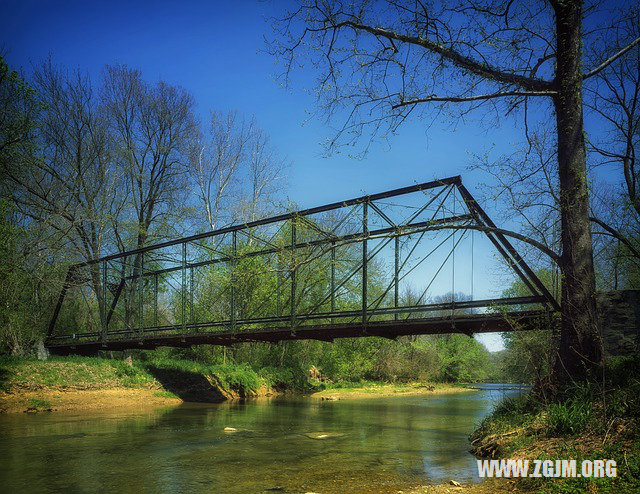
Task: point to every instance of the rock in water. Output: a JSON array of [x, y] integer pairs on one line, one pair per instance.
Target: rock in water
[[230, 429], [323, 435]]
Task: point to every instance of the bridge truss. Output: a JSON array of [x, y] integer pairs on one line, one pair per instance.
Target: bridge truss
[[368, 266]]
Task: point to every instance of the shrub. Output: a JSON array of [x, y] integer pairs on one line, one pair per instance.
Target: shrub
[[281, 378], [238, 377], [570, 417]]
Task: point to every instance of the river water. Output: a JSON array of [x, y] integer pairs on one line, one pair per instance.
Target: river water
[[290, 445]]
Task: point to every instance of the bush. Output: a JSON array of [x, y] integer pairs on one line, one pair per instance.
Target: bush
[[282, 378], [570, 417], [238, 377]]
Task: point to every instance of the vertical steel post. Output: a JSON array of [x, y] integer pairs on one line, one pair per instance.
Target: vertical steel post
[[396, 275], [155, 300], [191, 315], [293, 272], [234, 250], [184, 287], [278, 286], [140, 294], [103, 312], [333, 279], [365, 232], [453, 259]]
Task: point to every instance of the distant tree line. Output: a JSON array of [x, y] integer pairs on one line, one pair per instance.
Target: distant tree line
[[89, 168]]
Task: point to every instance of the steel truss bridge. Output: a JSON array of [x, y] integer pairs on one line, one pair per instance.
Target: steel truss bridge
[[369, 266]]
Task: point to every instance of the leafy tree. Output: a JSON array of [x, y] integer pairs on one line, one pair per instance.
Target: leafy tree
[[385, 60], [529, 355]]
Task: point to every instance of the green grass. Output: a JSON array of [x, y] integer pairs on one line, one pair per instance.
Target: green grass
[[593, 420], [165, 394], [38, 403], [237, 377], [75, 372], [70, 373]]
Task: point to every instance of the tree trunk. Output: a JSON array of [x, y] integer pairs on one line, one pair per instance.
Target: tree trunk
[[580, 349]]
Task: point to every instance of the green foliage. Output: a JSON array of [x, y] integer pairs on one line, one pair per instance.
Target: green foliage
[[584, 415], [509, 413], [529, 354], [23, 298], [463, 359], [570, 417], [577, 408], [239, 377], [282, 378]]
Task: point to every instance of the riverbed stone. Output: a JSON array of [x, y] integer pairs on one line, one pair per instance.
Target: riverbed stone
[[323, 435]]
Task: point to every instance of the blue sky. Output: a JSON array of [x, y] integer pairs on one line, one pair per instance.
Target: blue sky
[[216, 51]]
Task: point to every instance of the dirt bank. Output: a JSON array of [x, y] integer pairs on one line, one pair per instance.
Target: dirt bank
[[489, 486], [388, 391], [89, 400], [106, 399]]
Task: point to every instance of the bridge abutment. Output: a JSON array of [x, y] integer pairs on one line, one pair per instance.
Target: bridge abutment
[[619, 313]]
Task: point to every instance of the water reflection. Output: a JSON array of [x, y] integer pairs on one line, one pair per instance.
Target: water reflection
[[378, 445]]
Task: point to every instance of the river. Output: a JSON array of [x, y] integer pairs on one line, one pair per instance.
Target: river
[[284, 444]]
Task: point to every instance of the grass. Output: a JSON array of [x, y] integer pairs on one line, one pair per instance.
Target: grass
[[76, 373], [70, 373], [237, 377], [165, 394], [38, 403], [589, 420]]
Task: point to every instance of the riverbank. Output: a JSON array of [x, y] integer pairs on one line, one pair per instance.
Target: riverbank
[[85, 400], [87, 383], [387, 390], [91, 383], [584, 421]]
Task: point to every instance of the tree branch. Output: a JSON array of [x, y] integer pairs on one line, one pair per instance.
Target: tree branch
[[616, 234], [479, 97], [611, 59], [481, 69]]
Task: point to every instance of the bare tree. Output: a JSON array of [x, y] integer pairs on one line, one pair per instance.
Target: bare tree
[[384, 61], [236, 171], [216, 165], [65, 185], [615, 100], [153, 127]]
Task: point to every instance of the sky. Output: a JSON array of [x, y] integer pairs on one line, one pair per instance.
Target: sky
[[216, 50]]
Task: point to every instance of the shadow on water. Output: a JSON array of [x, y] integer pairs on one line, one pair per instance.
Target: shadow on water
[[188, 386]]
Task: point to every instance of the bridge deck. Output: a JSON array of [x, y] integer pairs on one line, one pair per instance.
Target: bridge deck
[[465, 323]]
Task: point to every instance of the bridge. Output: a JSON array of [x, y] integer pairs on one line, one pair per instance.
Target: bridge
[[387, 264]]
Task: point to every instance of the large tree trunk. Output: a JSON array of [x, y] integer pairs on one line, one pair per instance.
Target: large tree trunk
[[580, 349]]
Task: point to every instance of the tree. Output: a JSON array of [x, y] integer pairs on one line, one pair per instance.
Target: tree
[[153, 127], [61, 181], [615, 100], [235, 171], [385, 60]]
